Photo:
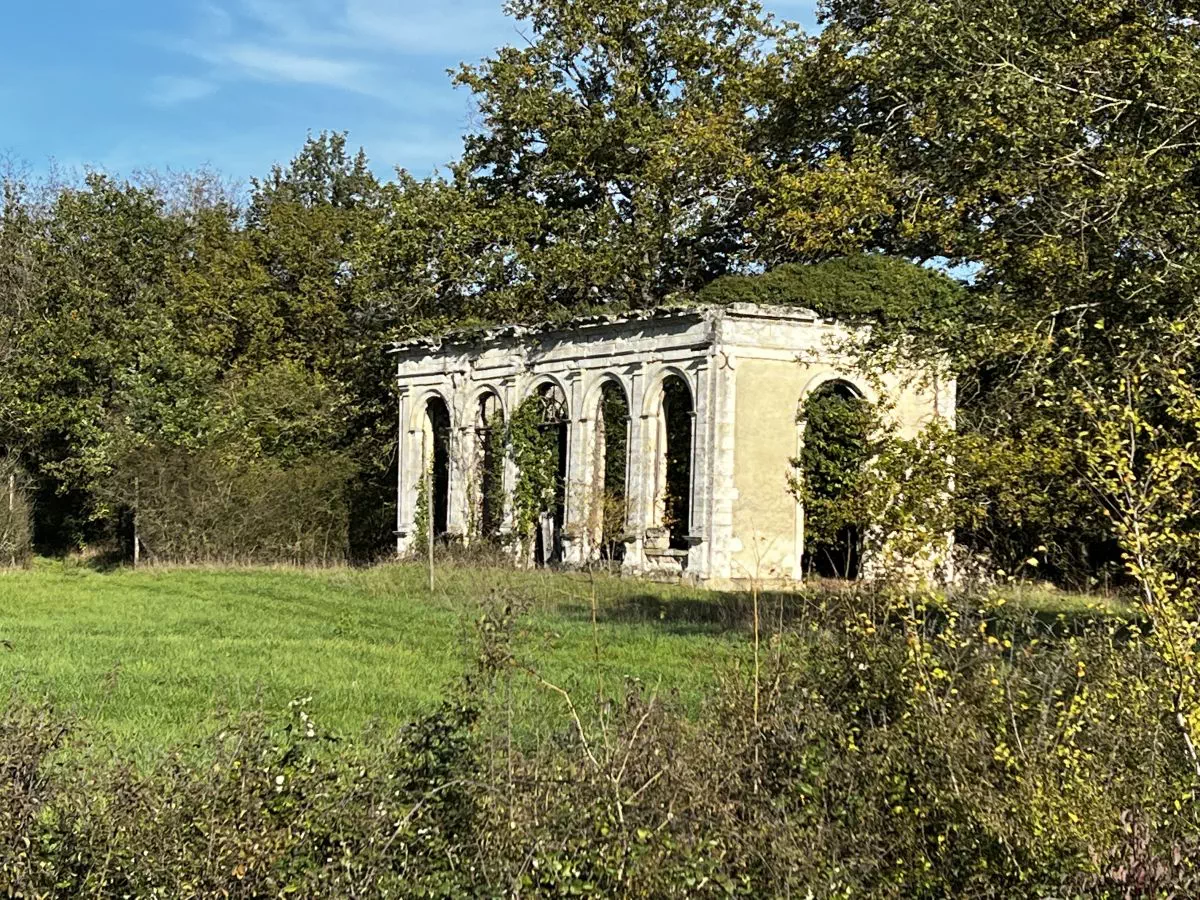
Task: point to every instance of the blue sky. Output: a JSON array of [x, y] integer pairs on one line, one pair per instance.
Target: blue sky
[[236, 84]]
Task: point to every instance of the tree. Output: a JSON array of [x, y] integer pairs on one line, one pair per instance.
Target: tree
[[1053, 145], [316, 226], [628, 136]]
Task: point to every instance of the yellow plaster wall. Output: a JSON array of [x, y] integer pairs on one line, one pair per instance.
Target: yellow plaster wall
[[764, 514], [768, 396]]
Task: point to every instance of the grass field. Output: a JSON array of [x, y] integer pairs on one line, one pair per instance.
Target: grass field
[[158, 658]]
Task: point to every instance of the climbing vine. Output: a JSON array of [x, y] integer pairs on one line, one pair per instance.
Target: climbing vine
[[534, 448], [421, 513], [610, 503], [492, 451], [830, 478]]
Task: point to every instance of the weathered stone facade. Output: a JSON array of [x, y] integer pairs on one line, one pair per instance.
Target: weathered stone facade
[[747, 370]]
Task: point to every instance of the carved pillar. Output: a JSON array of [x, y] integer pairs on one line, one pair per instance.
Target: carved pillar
[[576, 495], [701, 475], [458, 467], [512, 399], [405, 497], [641, 462], [722, 490]]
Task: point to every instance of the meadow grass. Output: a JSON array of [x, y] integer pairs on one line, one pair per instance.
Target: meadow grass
[[160, 658]]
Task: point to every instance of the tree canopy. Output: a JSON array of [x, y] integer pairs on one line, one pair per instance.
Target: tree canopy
[[628, 154]]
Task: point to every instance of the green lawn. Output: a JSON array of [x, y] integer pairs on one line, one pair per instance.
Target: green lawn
[[158, 658]]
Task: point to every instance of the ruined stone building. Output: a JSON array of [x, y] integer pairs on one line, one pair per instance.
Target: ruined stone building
[[670, 434]]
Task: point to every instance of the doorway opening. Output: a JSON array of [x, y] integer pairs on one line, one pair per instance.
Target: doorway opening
[[435, 485], [489, 466], [610, 484], [677, 423], [553, 434], [837, 425]]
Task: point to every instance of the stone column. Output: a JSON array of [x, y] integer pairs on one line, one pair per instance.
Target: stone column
[[641, 463], [458, 465], [575, 515], [405, 507], [508, 390], [701, 475], [721, 490]]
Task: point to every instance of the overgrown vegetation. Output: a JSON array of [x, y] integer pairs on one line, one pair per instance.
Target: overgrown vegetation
[[213, 370], [535, 446], [889, 747], [840, 445]]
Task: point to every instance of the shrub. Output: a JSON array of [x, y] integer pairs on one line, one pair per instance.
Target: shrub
[[889, 747], [212, 506]]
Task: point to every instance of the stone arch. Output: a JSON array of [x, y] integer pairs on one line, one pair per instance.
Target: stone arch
[[654, 395], [538, 383], [670, 405], [416, 419], [551, 450], [839, 556], [848, 382], [609, 410], [487, 499], [436, 428], [489, 392]]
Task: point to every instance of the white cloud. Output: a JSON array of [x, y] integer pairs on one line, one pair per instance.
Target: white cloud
[[464, 28], [358, 46], [267, 63], [173, 90]]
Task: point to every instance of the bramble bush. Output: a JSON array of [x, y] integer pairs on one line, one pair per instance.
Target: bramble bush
[[890, 746]]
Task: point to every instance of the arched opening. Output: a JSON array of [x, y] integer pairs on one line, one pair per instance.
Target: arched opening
[[554, 429], [676, 425], [611, 472], [837, 426], [435, 486], [489, 466], [538, 443]]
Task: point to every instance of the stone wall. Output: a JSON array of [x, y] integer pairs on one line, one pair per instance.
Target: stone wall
[[748, 370]]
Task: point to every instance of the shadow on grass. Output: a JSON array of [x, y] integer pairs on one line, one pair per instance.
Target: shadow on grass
[[715, 613], [712, 613]]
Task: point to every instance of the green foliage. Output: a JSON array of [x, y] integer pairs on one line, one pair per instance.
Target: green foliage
[[841, 438], [867, 288], [210, 505], [533, 443], [620, 148], [892, 747], [492, 500], [16, 516], [611, 503]]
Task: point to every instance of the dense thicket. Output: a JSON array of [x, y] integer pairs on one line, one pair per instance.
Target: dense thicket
[[885, 751], [632, 153]]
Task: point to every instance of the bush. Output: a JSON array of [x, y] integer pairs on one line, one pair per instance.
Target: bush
[[888, 747], [887, 291], [209, 506]]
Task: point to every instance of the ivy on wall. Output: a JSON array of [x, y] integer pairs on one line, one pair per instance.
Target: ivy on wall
[[492, 451], [534, 448], [612, 504], [830, 478]]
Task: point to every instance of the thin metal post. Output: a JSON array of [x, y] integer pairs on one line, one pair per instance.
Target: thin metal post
[[137, 538], [429, 519]]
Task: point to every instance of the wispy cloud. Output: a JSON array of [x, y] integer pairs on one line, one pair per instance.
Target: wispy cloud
[[267, 63], [172, 90], [348, 45]]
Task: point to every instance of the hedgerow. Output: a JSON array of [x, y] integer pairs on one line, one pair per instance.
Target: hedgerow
[[890, 746]]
